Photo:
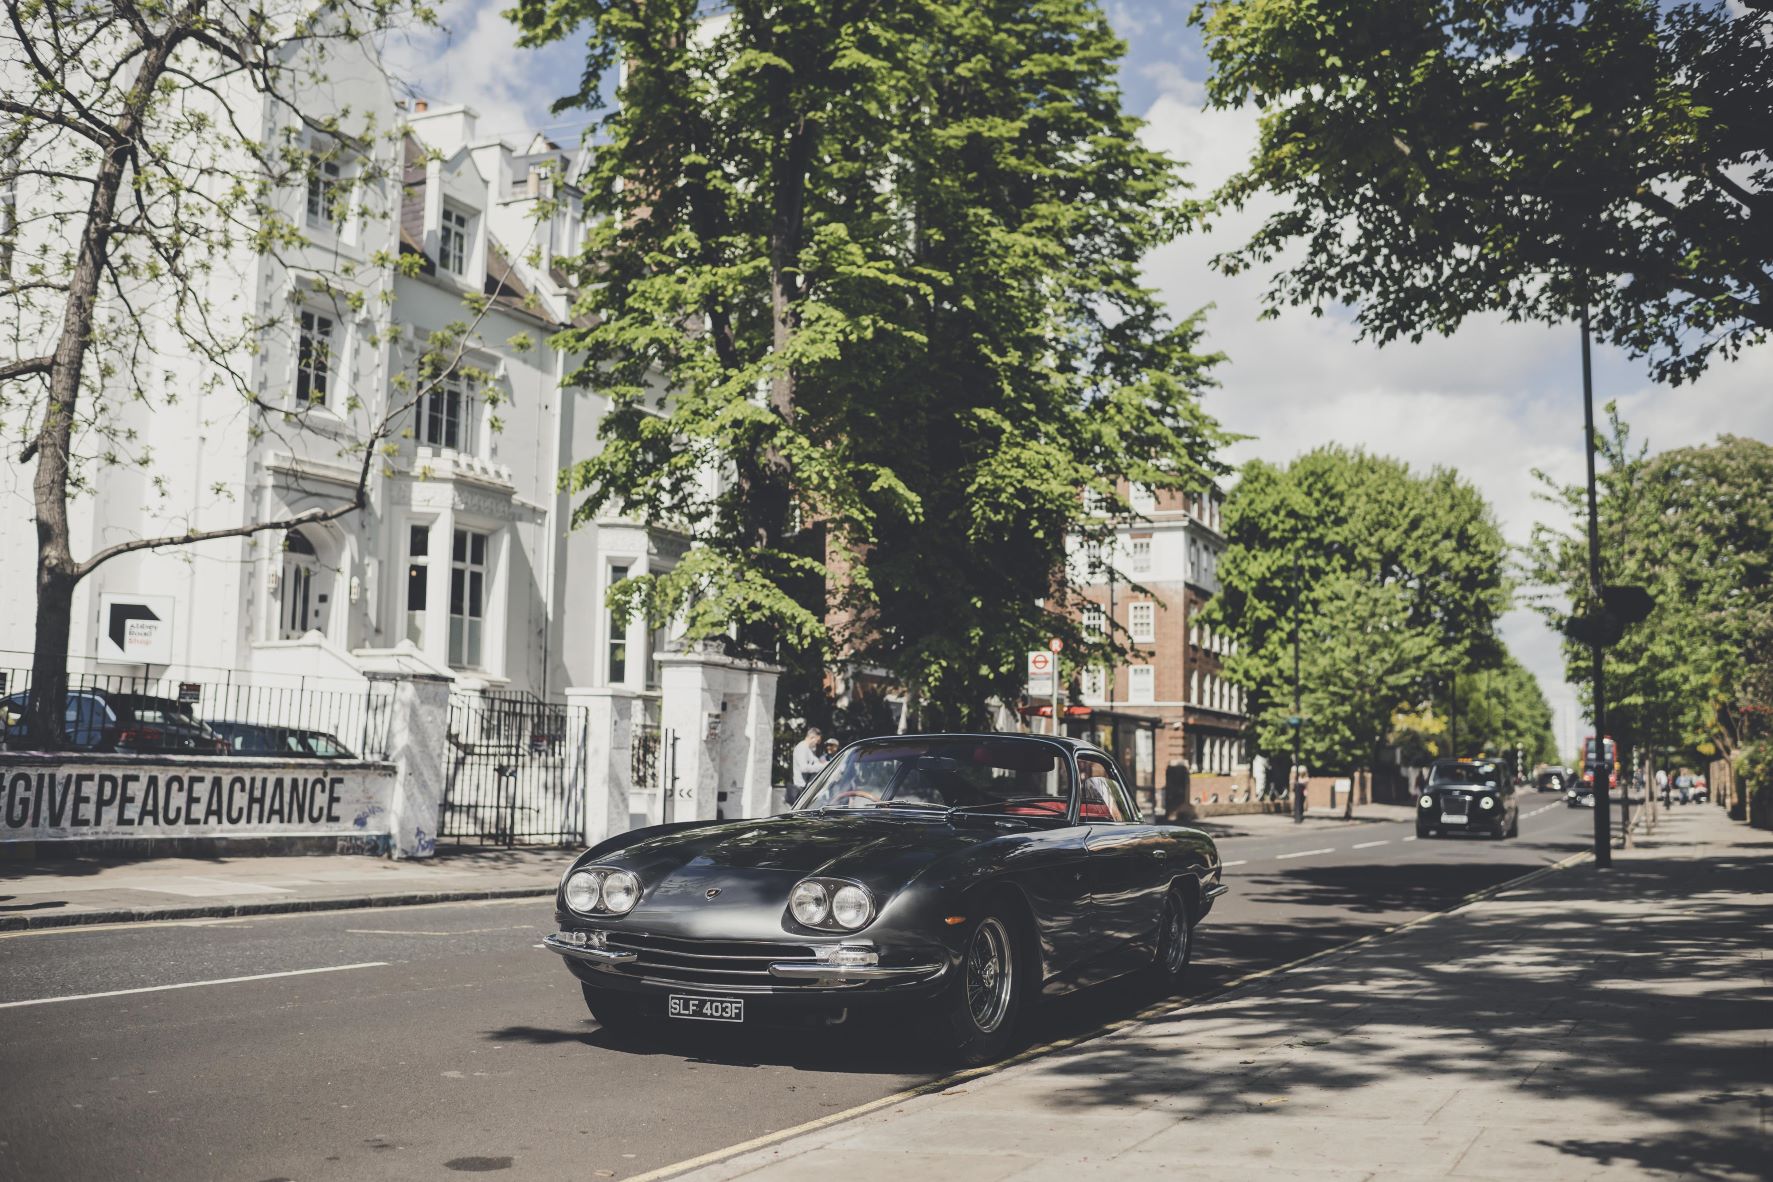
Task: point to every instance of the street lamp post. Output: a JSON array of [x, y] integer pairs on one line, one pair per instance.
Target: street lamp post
[[1297, 720], [1603, 767]]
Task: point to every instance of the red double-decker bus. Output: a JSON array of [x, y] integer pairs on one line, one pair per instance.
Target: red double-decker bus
[[1593, 754]]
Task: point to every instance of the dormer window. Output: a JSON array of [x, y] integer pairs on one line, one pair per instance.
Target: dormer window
[[452, 242]]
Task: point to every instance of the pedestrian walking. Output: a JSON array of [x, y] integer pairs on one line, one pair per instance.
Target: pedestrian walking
[[808, 760]]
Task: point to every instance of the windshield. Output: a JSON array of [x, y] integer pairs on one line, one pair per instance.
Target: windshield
[[1020, 776], [1463, 773]]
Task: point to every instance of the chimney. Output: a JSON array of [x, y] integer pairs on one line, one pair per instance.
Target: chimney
[[419, 106], [535, 181]]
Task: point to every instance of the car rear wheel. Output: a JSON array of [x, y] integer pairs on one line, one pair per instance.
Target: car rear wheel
[[1425, 831], [1175, 944], [982, 1002]]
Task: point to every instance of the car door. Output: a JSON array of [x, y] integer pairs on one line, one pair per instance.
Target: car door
[[1124, 868]]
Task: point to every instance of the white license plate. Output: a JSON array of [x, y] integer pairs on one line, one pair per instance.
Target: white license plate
[[706, 1009], [1454, 819]]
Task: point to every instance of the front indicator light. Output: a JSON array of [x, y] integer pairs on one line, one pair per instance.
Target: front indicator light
[[850, 958]]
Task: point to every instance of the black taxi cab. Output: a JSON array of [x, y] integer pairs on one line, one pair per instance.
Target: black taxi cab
[[1468, 796]]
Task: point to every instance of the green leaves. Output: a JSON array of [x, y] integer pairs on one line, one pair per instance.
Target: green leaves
[[1434, 159], [877, 268]]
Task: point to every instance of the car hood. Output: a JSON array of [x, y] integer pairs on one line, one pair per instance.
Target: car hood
[[751, 866]]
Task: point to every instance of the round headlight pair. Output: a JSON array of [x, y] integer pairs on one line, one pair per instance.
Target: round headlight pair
[[828, 903], [1426, 801], [613, 892]]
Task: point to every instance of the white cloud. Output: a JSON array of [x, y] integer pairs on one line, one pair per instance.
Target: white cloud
[[1496, 400]]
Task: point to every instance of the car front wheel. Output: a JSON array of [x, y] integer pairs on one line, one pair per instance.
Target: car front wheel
[[981, 1004]]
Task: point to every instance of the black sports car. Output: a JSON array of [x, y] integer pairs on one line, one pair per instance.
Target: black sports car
[[1468, 796], [966, 874]]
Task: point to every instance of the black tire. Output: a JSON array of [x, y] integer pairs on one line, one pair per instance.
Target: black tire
[[1424, 831], [1514, 826], [1175, 944], [979, 1008], [621, 1014]]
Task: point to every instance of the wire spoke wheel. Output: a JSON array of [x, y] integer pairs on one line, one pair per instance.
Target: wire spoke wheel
[[989, 970]]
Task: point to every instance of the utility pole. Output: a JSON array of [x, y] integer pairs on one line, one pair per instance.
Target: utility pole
[[1453, 717], [1603, 767]]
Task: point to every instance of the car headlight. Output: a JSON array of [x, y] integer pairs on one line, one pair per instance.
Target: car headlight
[[810, 902], [1488, 802], [621, 890], [583, 889], [1426, 801], [851, 907]]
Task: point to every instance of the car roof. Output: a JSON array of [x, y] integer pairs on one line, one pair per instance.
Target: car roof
[[989, 736]]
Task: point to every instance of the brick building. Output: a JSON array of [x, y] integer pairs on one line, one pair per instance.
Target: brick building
[[1162, 570]]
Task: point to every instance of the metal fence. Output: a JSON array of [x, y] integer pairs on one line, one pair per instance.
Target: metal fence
[[288, 720], [510, 770], [653, 771]]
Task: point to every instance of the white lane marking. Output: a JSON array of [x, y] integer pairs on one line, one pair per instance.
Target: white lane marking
[[1303, 854], [1367, 845], [1239, 862], [421, 932], [337, 968], [1412, 837]]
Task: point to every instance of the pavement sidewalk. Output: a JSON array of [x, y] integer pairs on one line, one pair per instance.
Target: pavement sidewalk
[[1587, 1024], [61, 892]]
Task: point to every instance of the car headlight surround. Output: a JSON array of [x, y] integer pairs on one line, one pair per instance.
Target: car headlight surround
[[1487, 802], [602, 890], [1425, 801], [833, 904]]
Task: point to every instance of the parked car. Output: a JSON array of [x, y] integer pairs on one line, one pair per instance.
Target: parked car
[[1468, 796], [253, 738], [104, 721], [1552, 778], [963, 875]]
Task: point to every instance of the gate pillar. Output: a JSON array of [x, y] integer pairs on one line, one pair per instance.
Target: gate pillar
[[721, 710], [418, 735], [605, 774]]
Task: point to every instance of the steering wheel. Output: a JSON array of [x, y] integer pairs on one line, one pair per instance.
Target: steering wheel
[[852, 793]]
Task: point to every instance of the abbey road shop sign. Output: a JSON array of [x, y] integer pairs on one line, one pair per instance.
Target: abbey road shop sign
[[46, 798], [135, 629]]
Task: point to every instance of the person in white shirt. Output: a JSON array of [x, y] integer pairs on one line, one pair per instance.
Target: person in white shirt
[[807, 759]]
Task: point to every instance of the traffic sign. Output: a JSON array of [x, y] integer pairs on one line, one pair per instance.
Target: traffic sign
[[1040, 671], [1056, 644]]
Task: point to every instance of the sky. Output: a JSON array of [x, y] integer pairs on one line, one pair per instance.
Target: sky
[[1495, 401]]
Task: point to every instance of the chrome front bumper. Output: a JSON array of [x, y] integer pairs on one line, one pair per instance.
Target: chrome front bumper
[[813, 973]]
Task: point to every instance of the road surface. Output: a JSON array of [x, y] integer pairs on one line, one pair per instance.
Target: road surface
[[412, 1042]]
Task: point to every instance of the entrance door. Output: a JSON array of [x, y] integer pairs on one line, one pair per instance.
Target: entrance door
[[303, 602]]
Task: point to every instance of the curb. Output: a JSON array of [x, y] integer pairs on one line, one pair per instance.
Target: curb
[[20, 923]]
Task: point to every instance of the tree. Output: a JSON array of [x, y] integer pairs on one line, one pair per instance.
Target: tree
[[1695, 527], [1302, 538], [153, 153], [1499, 709], [866, 298], [1439, 159]]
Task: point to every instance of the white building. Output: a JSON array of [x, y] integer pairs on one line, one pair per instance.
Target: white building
[[464, 562]]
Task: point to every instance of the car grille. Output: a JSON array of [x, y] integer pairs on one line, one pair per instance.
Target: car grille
[[1454, 804], [739, 965]]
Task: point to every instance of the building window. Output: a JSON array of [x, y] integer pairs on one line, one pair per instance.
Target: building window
[[618, 635], [1094, 566], [418, 581], [452, 243], [1094, 504], [467, 598], [1140, 553], [1142, 620], [323, 194], [313, 357], [444, 413], [1194, 687], [1141, 684], [1095, 685], [302, 605], [1141, 499], [1095, 620]]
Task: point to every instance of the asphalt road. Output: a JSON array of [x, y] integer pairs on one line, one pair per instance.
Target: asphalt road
[[411, 1042]]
